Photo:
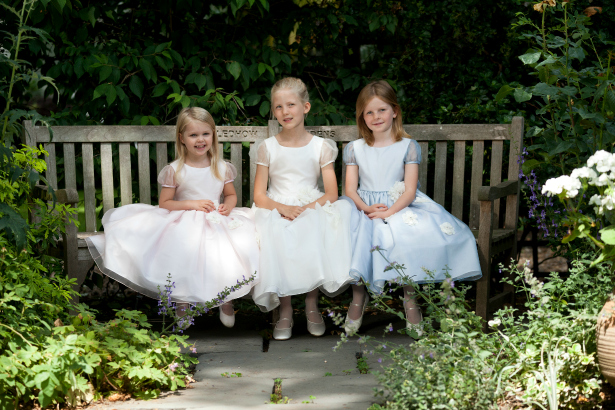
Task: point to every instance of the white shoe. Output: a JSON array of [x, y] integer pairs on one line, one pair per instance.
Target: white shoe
[[284, 333], [411, 326], [352, 326], [315, 329], [227, 320]]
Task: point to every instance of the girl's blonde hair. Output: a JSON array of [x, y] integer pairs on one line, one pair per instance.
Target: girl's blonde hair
[[385, 92], [293, 84], [184, 118]]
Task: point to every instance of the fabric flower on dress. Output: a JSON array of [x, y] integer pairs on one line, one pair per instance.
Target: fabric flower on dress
[[331, 210], [214, 218], [447, 228], [397, 190], [234, 224], [307, 195], [410, 218]]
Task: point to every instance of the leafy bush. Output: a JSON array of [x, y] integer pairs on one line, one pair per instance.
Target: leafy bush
[[541, 356]]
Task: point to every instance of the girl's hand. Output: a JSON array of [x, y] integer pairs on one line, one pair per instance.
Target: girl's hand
[[376, 208], [379, 215], [204, 205], [292, 212], [224, 209]]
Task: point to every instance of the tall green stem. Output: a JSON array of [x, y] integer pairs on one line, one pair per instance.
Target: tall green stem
[[18, 44]]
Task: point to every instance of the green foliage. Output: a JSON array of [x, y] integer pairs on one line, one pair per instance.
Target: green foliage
[[541, 356]]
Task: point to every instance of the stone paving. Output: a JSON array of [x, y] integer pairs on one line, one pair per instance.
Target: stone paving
[[307, 365]]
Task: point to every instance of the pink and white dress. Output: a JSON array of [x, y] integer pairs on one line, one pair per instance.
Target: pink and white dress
[[204, 252]]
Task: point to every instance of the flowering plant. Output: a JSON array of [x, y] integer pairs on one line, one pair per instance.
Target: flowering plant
[[597, 179]]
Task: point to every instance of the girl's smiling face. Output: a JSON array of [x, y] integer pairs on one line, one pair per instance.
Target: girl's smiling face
[[197, 137], [378, 116], [288, 108]]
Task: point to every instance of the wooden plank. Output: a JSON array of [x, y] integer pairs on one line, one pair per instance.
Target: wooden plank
[[145, 189], [106, 168], [497, 149], [440, 173], [236, 160], [343, 170], [459, 163], [221, 150], [125, 177], [516, 147], [423, 165], [476, 182], [30, 134], [70, 169], [484, 254], [162, 159], [51, 173], [89, 190], [138, 133], [252, 173]]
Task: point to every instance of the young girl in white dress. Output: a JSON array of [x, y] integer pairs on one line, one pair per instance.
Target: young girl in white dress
[[382, 170], [304, 234], [205, 245]]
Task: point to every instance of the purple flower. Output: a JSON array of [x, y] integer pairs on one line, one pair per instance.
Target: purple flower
[[379, 360], [390, 328], [173, 366], [193, 349], [431, 355]]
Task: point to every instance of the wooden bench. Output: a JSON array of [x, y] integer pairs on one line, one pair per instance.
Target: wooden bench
[[478, 154]]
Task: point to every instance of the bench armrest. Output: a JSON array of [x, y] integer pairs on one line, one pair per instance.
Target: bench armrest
[[491, 193], [63, 196]]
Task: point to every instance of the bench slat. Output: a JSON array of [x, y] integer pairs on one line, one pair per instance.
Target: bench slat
[[106, 168], [125, 177], [252, 173], [459, 163], [145, 189], [516, 147], [51, 174], [89, 191], [440, 173], [423, 165], [497, 149], [236, 160], [161, 160], [70, 170], [477, 182]]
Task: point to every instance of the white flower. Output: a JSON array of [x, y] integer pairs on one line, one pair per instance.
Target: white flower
[[397, 190], [603, 160], [410, 218], [333, 211], [494, 323], [447, 228], [234, 224], [214, 217], [420, 200], [5, 52], [556, 186], [584, 172], [307, 195]]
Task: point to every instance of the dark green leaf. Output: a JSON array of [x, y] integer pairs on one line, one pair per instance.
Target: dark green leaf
[[136, 86], [234, 68], [531, 57], [264, 108], [252, 99], [504, 91], [200, 80], [521, 95], [105, 72]]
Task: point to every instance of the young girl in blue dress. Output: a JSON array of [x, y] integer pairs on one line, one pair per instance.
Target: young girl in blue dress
[[204, 244], [382, 170], [304, 233]]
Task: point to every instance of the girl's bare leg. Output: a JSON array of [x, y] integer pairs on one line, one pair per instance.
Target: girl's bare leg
[[311, 307], [286, 313], [413, 311], [227, 308]]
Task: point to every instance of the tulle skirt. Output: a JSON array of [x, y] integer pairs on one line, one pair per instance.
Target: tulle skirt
[[312, 251], [203, 252], [423, 237]]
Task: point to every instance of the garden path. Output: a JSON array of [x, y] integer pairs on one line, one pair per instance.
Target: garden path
[[303, 363]]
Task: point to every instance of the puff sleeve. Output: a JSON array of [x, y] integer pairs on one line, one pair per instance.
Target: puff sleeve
[[230, 174], [348, 156], [413, 154], [328, 152], [262, 154], [166, 178]]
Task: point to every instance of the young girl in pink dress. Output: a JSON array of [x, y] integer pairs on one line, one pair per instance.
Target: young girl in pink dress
[[204, 244], [304, 234]]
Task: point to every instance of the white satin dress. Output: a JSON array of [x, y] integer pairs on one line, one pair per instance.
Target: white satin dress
[[204, 252], [312, 251]]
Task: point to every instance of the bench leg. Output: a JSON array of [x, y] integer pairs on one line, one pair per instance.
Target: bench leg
[[73, 266], [485, 235]]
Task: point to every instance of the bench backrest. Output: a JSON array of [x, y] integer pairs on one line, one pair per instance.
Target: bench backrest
[[478, 153]]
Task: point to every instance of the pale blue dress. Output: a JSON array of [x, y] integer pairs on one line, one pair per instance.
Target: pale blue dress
[[423, 237]]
